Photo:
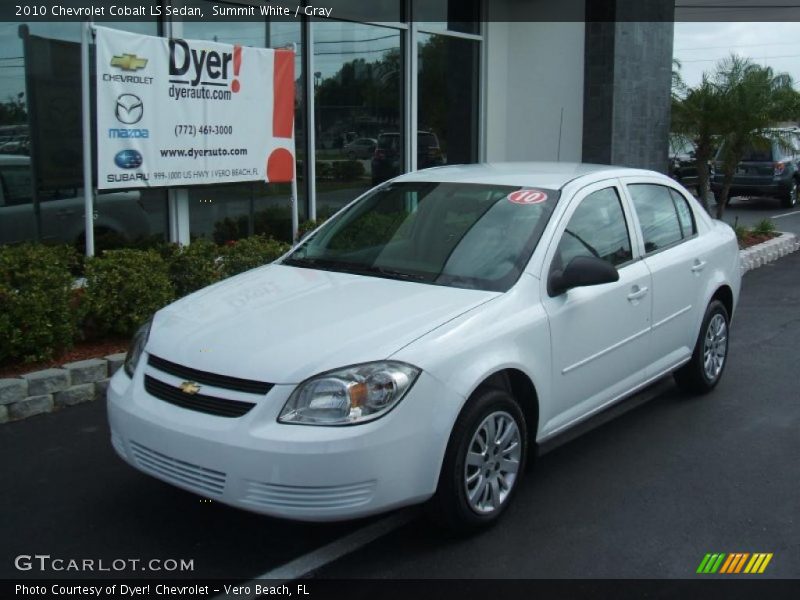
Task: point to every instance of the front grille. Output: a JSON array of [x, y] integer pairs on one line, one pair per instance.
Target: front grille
[[199, 402], [201, 479], [221, 381]]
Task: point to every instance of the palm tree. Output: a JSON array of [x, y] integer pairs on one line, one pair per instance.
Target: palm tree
[[699, 115], [678, 85], [753, 99]]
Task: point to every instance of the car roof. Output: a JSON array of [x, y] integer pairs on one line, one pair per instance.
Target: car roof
[[549, 175]]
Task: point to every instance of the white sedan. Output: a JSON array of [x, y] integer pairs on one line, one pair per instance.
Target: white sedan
[[425, 340]]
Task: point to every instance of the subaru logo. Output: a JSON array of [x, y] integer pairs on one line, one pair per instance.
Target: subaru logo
[[128, 159], [129, 109]]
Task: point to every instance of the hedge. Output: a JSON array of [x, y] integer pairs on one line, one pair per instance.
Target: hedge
[[249, 253], [38, 309], [43, 312], [124, 287]]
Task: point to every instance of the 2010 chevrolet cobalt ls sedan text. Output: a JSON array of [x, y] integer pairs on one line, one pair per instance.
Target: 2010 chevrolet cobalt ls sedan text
[[421, 342]]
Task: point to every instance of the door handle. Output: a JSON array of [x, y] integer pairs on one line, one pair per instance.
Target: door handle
[[698, 265], [638, 292]]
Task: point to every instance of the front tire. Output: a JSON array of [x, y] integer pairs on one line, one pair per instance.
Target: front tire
[[703, 372], [483, 464]]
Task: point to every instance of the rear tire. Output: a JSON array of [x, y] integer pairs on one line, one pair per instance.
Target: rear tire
[[483, 464], [704, 370], [790, 199]]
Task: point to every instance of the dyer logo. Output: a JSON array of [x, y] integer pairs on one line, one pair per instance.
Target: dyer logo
[[128, 159], [129, 109], [203, 67], [128, 62]]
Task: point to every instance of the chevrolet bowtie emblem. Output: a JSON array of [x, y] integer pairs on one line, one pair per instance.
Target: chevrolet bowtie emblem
[[128, 62], [189, 387]]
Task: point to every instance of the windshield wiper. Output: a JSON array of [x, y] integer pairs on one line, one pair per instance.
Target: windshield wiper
[[354, 268], [398, 274], [308, 261]]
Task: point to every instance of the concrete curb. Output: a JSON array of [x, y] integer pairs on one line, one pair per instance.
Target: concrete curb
[[52, 389], [767, 252]]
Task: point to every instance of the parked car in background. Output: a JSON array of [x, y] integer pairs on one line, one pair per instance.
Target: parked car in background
[[682, 165], [62, 210], [769, 168], [386, 160], [421, 343], [360, 148], [17, 145]]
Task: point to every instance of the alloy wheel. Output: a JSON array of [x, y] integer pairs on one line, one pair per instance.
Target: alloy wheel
[[493, 461], [715, 348]]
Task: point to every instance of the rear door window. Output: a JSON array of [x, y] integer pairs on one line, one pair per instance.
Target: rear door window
[[663, 220]]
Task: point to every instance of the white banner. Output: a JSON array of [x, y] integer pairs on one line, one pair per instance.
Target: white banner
[[186, 112]]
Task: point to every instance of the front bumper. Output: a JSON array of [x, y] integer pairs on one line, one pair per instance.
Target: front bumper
[[298, 472]]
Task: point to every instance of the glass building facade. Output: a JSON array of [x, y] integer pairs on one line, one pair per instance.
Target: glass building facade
[[373, 100]]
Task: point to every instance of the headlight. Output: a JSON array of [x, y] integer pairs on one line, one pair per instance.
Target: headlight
[[137, 347], [349, 396]]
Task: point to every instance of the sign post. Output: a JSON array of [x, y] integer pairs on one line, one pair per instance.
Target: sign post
[[86, 121]]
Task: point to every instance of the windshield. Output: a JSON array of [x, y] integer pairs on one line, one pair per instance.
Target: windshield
[[427, 140], [679, 145], [454, 234], [760, 150]]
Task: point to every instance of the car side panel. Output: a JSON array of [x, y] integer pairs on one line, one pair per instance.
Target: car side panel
[[508, 332]]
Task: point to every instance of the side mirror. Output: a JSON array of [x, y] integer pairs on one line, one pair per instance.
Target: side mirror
[[581, 271]]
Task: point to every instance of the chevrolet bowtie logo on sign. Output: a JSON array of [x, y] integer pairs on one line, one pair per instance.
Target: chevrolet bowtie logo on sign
[[128, 62], [737, 562], [189, 387]]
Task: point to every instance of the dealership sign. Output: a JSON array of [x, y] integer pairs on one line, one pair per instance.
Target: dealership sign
[[173, 112]]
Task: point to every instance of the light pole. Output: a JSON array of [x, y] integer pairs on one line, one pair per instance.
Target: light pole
[[317, 79]]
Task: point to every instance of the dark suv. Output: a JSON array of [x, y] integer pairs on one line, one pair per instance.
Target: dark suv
[[771, 169], [386, 160], [682, 163]]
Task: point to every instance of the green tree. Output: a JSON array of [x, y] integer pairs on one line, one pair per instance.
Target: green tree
[[699, 114], [754, 99], [678, 85]]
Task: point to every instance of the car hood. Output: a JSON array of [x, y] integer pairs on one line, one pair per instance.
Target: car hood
[[282, 324]]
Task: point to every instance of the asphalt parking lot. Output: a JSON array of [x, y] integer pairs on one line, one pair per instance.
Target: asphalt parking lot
[[750, 210], [646, 495]]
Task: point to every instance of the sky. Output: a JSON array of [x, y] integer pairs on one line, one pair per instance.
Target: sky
[[698, 46]]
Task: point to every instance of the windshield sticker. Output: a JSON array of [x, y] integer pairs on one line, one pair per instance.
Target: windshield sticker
[[527, 197]]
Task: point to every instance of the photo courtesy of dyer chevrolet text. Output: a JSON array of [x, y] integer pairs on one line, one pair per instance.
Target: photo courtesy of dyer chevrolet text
[[161, 589], [156, 10]]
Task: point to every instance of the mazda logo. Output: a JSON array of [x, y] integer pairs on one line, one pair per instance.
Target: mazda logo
[[129, 109]]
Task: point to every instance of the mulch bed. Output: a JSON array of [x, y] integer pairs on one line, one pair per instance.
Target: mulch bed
[[81, 351], [751, 239]]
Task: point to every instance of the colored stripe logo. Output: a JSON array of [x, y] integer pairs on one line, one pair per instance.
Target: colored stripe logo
[[734, 563]]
